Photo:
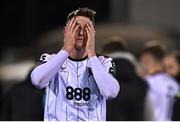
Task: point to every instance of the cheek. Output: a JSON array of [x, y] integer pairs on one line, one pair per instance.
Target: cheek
[[85, 37], [143, 64], [85, 33], [78, 31], [172, 70], [172, 66], [147, 63], [175, 68]]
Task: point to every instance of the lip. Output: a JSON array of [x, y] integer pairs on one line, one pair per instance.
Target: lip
[[79, 38]]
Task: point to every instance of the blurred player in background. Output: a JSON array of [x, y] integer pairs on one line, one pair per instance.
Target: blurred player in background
[[130, 104], [77, 81], [172, 66], [163, 88]]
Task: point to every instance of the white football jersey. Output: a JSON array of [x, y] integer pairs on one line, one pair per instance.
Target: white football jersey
[[163, 89], [73, 94]]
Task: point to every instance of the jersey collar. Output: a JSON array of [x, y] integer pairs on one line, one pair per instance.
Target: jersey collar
[[81, 59]]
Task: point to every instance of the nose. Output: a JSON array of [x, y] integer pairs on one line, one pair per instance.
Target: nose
[[81, 32]]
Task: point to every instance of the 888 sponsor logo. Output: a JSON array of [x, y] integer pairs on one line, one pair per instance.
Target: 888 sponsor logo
[[78, 93]]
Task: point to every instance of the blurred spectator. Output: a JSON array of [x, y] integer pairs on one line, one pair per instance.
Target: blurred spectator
[[172, 66], [163, 88], [129, 104], [117, 48], [23, 102]]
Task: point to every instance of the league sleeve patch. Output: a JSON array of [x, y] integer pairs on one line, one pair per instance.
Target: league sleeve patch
[[112, 70], [43, 59]]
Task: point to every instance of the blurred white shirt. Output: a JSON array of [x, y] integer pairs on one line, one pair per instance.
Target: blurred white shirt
[[163, 89]]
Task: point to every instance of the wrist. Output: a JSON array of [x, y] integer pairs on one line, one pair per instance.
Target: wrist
[[91, 53], [68, 49]]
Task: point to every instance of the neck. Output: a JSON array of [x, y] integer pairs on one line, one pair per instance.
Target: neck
[[78, 54], [155, 70]]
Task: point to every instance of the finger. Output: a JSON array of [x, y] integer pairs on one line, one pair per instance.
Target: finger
[[72, 23], [92, 25], [75, 29], [87, 31], [68, 28], [67, 24], [88, 27], [88, 36], [91, 28], [65, 29], [90, 33]]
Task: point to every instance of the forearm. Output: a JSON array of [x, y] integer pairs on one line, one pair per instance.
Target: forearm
[[42, 74], [107, 84]]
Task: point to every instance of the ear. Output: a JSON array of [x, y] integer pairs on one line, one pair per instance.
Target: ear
[[64, 30]]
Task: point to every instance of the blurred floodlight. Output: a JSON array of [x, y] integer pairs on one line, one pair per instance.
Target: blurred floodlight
[[15, 71]]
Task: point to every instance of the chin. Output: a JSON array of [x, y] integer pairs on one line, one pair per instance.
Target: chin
[[79, 47]]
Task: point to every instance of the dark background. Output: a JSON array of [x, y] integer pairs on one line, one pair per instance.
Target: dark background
[[24, 20], [32, 27]]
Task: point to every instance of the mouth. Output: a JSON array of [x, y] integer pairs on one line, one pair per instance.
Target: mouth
[[80, 38]]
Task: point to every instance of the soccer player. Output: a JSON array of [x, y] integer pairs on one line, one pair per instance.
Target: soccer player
[[77, 81], [163, 88], [172, 66], [131, 104]]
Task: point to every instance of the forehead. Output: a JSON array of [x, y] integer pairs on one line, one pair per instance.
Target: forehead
[[147, 56], [170, 58], [82, 20]]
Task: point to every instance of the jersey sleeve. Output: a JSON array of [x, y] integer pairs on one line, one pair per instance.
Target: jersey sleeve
[[48, 67], [102, 70], [109, 65], [45, 58]]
